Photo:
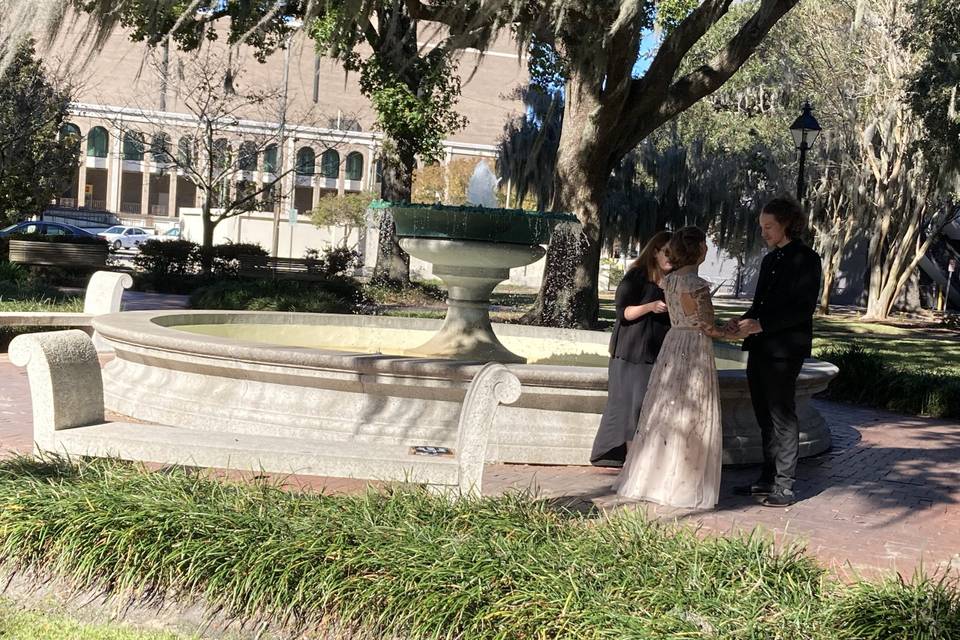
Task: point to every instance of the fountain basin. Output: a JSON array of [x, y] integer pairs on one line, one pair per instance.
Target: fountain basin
[[339, 377]]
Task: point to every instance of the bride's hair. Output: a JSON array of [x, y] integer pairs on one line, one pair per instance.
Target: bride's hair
[[647, 260], [685, 247]]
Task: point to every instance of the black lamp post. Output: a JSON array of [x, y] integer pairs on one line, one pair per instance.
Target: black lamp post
[[805, 130]]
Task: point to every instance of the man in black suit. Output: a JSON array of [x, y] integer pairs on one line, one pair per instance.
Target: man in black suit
[[778, 334]]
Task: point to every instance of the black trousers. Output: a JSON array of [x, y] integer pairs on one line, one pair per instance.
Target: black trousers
[[773, 388]]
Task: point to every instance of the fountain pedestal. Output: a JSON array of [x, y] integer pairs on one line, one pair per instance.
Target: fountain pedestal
[[471, 270]]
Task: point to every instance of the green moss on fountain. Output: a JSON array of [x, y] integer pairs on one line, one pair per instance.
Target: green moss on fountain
[[510, 226]]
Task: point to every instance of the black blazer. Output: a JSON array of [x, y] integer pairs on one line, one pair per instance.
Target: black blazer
[[639, 340], [785, 301]]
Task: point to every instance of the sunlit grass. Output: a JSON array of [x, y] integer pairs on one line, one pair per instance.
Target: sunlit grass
[[18, 624]]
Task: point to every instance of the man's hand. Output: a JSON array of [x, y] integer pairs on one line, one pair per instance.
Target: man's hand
[[732, 326], [749, 327]]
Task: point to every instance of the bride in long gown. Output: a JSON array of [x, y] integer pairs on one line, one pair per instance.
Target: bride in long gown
[[675, 456]]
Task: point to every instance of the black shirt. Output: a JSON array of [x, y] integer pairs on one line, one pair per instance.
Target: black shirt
[[639, 340], [785, 301]]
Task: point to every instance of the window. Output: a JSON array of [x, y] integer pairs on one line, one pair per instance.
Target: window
[[133, 146], [160, 148], [30, 228], [355, 166], [221, 153], [98, 142], [185, 151], [306, 161], [71, 133], [270, 159], [114, 230], [331, 164], [56, 230], [130, 232], [247, 160]]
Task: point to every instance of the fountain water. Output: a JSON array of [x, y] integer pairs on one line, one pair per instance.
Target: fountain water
[[472, 250]]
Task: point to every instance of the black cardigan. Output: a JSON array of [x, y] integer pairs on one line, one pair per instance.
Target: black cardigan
[[639, 340], [785, 301]]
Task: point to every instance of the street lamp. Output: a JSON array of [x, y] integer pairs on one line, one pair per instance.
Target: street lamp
[[805, 130]]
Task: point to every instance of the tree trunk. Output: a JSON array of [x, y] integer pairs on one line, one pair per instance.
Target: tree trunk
[[568, 291], [393, 263], [206, 244]]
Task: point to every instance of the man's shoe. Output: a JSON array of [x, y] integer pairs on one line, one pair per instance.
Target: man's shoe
[[755, 489], [779, 498]]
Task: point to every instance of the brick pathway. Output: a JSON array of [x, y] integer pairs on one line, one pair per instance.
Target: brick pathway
[[886, 497]]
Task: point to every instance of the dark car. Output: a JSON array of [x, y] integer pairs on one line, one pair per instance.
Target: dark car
[[45, 228]]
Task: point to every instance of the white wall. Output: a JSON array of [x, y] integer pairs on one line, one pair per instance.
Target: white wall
[[257, 228]]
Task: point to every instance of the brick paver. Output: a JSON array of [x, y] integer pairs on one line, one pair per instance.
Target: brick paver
[[885, 497]]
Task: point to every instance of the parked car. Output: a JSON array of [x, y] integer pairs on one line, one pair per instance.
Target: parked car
[[45, 228], [121, 237], [169, 234]]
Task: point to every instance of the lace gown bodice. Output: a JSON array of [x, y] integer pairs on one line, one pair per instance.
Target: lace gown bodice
[[688, 299]]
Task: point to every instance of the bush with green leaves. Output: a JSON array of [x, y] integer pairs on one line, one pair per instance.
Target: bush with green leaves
[[401, 562], [159, 258], [226, 257], [329, 296], [333, 261], [877, 380]]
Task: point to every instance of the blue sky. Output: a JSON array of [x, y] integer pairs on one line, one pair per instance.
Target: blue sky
[[648, 46]]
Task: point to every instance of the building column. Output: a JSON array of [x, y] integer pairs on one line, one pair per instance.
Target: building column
[[341, 176], [145, 188], [114, 171], [172, 193], [316, 182], [82, 182], [370, 177]]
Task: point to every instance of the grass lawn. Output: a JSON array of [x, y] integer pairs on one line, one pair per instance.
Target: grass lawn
[[17, 624]]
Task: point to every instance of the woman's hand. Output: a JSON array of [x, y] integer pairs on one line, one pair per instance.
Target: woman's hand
[[638, 311]]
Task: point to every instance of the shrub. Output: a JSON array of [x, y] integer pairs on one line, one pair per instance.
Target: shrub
[[414, 294], [226, 257], [873, 379], [334, 296], [159, 258], [334, 261], [12, 273]]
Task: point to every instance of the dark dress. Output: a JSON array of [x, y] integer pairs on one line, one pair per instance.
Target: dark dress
[[786, 298], [634, 346]]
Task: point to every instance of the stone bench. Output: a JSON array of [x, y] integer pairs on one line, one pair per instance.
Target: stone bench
[[103, 295], [66, 388]]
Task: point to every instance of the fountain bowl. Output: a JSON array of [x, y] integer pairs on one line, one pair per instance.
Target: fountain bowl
[[344, 377]]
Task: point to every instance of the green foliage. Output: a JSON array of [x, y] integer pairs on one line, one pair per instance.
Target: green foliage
[[159, 259], [35, 163], [891, 383], [333, 262], [18, 624], [349, 210], [404, 563], [414, 294], [920, 609], [934, 87], [331, 296]]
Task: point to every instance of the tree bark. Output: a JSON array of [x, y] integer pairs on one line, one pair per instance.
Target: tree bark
[[393, 263], [568, 294]]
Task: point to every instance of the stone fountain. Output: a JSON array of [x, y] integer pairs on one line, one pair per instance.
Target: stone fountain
[[472, 249]]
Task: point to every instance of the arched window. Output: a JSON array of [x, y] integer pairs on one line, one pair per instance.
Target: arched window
[[160, 148], [185, 151], [354, 166], [270, 159], [98, 142], [306, 161], [71, 133], [133, 146], [331, 164], [247, 158], [221, 153]]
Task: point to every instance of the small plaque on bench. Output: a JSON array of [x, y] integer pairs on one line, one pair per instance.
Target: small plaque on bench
[[423, 450]]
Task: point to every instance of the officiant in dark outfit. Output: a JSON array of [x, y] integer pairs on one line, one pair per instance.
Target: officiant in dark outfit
[[778, 334], [642, 323]]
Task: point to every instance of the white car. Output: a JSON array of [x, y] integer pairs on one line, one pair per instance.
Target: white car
[[169, 234], [121, 237]]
